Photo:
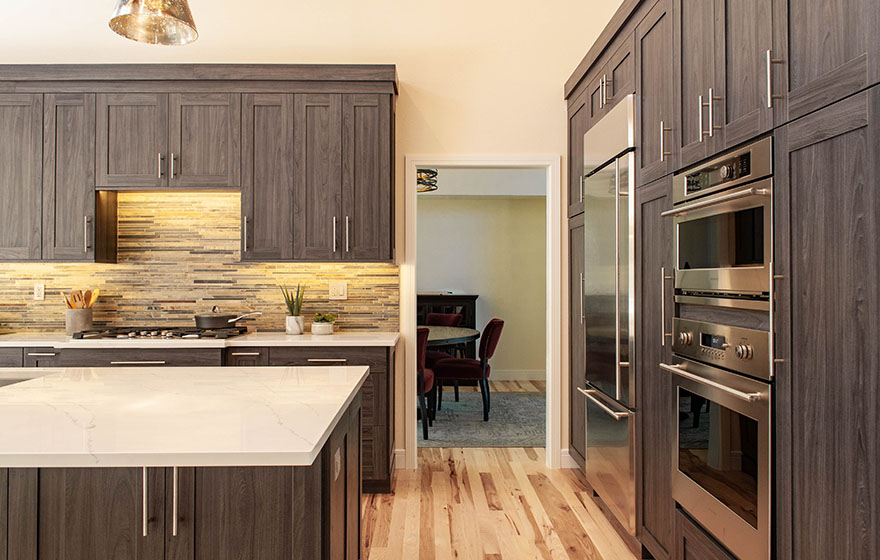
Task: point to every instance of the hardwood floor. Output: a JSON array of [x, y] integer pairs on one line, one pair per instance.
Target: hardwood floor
[[510, 387], [488, 504]]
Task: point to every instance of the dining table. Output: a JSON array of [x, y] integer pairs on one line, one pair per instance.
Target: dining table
[[449, 336]]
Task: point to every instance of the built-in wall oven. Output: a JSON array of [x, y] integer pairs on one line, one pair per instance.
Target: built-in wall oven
[[723, 353]]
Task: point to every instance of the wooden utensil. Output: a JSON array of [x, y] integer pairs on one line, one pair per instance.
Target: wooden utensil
[[94, 297], [66, 301], [87, 297]]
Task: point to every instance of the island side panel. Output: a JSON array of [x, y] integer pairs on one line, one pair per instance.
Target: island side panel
[[4, 509]]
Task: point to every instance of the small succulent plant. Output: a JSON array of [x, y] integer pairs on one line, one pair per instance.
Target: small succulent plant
[[324, 318]]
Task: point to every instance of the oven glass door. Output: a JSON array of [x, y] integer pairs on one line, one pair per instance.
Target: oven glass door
[[724, 244]]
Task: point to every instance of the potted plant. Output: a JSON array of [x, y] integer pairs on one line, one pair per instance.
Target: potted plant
[[322, 323], [294, 322]]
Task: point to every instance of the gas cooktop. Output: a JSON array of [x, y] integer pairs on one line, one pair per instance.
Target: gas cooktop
[[140, 333]]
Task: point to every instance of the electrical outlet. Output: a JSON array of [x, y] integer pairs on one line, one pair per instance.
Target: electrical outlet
[[39, 292], [338, 289]]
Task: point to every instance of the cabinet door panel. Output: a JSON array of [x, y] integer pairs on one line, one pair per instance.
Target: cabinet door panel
[[655, 115], [366, 177], [694, 544], [827, 214], [621, 72], [267, 178], [132, 138], [246, 357], [317, 178], [577, 341], [577, 127], [69, 177], [744, 34], [829, 50], [694, 65], [21, 118], [655, 507], [204, 142]]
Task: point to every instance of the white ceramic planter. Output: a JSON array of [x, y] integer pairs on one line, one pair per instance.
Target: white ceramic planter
[[294, 324], [322, 328]]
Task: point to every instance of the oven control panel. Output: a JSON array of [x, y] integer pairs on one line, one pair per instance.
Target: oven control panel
[[745, 351], [747, 164]]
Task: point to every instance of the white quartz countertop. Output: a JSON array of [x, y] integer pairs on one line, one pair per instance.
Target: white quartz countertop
[[155, 417], [61, 341]]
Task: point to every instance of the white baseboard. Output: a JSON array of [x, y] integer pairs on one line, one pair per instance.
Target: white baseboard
[[399, 459], [518, 375], [566, 460]]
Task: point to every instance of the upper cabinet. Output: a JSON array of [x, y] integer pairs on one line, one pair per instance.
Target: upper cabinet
[[21, 120], [823, 51], [143, 144], [578, 119], [614, 79]]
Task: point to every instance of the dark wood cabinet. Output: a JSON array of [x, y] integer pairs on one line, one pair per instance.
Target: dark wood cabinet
[[656, 132], [11, 357], [578, 118], [267, 177], [827, 215], [826, 50], [246, 357], [41, 357], [577, 435], [693, 78], [367, 211], [654, 398], [21, 128], [204, 136], [132, 140], [692, 543], [317, 220], [620, 73], [130, 357]]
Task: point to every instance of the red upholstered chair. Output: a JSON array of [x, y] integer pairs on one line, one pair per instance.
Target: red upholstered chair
[[459, 369], [425, 381], [443, 352]]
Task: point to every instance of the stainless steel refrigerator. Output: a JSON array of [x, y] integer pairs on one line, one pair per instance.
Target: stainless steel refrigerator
[[609, 290]]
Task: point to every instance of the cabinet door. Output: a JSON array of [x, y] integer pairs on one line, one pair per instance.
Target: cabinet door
[[827, 216], [693, 544], [654, 305], [317, 217], [41, 357], [577, 406], [69, 177], [656, 132], [21, 119], [828, 50], [67, 513], [11, 357], [595, 99], [204, 141], [367, 193], [694, 75], [620, 73], [744, 34], [267, 178], [578, 116], [132, 138], [246, 357]]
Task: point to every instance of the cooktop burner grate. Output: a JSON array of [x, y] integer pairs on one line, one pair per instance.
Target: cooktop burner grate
[[141, 333]]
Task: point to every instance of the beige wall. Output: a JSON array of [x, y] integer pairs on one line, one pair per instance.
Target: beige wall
[[494, 247]]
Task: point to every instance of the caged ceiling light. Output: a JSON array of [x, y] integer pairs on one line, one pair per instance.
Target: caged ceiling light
[[426, 180], [158, 22]]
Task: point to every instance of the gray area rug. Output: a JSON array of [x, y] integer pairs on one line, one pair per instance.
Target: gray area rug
[[515, 420]]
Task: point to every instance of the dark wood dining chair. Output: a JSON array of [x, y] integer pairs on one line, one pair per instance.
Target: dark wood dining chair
[[443, 352], [461, 369], [425, 381]]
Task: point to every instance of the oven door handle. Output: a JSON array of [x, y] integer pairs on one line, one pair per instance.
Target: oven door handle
[[748, 397], [612, 413], [752, 191]]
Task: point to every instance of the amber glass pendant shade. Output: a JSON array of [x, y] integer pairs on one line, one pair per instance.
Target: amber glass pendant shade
[[158, 22]]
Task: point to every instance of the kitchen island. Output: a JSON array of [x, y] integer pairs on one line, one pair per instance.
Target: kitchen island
[[181, 463]]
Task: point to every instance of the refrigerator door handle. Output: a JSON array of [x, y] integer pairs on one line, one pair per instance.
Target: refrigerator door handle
[[617, 279], [606, 409]]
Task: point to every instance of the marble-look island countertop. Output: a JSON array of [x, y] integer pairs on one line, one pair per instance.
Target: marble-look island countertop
[[159, 417], [60, 341]]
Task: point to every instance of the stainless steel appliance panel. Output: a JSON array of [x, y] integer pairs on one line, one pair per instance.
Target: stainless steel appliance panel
[[745, 165], [610, 460], [742, 350]]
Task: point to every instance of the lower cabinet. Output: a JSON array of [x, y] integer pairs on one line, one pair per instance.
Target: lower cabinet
[[692, 543], [138, 357], [11, 357], [246, 357], [222, 513]]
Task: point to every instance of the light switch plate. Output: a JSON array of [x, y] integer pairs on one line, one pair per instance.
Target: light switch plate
[[338, 289], [39, 292]]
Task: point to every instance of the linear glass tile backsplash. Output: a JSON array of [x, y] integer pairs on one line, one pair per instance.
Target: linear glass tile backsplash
[[178, 255]]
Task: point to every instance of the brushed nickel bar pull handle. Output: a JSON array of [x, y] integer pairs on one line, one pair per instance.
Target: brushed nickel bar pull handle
[[614, 414], [582, 298], [334, 234], [86, 234], [700, 116], [607, 97], [602, 92], [144, 505], [773, 359], [245, 234], [581, 195], [663, 130], [175, 499], [172, 164], [327, 361], [748, 397], [663, 279], [770, 62], [617, 279], [41, 354], [139, 363], [244, 353], [159, 163], [347, 242], [726, 198], [712, 99]]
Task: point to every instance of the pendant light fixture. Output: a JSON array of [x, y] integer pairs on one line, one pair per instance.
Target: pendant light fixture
[[426, 180], [158, 22]]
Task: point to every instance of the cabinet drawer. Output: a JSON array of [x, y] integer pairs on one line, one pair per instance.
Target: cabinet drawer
[[246, 357], [376, 358], [692, 543], [11, 357], [139, 357], [41, 357]]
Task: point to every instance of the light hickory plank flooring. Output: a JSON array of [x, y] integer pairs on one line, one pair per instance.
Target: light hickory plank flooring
[[506, 387], [488, 504]]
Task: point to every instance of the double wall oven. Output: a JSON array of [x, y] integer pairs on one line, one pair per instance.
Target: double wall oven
[[722, 345]]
